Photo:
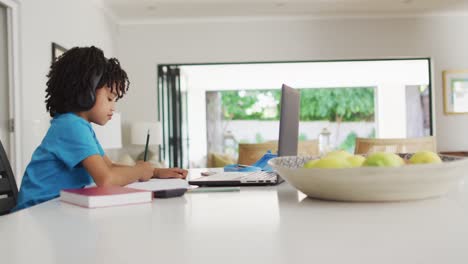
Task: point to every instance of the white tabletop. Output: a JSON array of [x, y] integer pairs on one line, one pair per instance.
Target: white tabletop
[[256, 225]]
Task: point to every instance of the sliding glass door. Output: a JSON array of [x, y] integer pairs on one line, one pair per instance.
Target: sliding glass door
[[223, 105], [172, 113]]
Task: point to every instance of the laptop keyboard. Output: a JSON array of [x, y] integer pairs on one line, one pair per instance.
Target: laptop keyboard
[[259, 176], [244, 177]]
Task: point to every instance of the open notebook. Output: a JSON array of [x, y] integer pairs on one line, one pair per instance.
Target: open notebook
[[160, 184], [163, 188]]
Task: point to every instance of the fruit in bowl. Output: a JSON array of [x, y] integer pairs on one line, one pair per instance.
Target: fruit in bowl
[[372, 183], [356, 160], [341, 159], [336, 160], [383, 159], [422, 157], [328, 162]]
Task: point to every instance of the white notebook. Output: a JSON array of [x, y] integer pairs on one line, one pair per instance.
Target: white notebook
[[160, 184]]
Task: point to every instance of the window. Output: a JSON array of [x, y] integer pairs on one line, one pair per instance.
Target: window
[[225, 104]]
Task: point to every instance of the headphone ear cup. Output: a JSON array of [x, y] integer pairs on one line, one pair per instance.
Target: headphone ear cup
[[92, 97], [86, 100]]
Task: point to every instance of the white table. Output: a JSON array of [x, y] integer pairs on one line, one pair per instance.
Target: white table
[[256, 225]]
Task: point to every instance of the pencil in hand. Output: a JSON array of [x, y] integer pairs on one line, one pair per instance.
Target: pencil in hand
[[146, 146]]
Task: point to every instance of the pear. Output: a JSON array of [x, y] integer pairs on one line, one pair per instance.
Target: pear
[[383, 159], [331, 163], [421, 157], [356, 160], [310, 163]]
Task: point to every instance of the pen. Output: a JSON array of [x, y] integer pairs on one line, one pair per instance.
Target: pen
[[214, 189], [146, 147]]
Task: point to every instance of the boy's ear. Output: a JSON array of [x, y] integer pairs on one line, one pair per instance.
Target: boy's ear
[[87, 99]]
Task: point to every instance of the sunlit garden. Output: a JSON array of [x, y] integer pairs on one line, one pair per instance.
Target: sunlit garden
[[251, 116]]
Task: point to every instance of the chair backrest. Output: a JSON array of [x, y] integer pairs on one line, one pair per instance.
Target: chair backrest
[[250, 153], [395, 145], [217, 160], [8, 189]]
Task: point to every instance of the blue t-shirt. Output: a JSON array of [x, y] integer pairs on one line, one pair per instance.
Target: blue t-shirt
[[56, 164]]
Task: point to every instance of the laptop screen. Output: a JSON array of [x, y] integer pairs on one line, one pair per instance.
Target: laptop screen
[[289, 121]]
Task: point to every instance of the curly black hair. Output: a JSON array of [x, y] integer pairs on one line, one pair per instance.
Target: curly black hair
[[75, 75]]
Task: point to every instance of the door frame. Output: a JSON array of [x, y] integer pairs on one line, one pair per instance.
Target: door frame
[[13, 46]]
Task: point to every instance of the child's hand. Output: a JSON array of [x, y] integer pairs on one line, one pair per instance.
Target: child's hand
[[170, 173], [146, 170]]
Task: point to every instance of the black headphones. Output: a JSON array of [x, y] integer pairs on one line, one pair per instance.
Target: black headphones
[[87, 99]]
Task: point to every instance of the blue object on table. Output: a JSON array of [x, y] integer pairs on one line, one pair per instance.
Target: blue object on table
[[263, 161], [241, 168], [259, 165]]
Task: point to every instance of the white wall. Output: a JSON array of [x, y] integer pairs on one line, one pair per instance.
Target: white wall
[[68, 23], [443, 38]]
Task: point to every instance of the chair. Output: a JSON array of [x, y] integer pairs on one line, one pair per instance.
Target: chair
[[217, 160], [250, 153], [395, 145], [8, 189]]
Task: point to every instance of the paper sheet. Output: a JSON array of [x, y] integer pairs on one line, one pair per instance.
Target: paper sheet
[[160, 184]]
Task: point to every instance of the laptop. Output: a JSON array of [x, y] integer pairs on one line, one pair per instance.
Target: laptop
[[287, 146]]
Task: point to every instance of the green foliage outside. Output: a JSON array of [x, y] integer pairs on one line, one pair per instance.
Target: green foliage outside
[[235, 106], [302, 137], [350, 142], [332, 104], [317, 104], [259, 138]]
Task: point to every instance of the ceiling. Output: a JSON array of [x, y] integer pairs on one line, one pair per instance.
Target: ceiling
[[144, 10]]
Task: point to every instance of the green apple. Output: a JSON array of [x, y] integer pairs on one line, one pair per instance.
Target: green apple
[[331, 163], [424, 157], [356, 160], [339, 154], [310, 163], [383, 159]]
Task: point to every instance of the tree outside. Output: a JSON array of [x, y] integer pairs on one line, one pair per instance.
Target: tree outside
[[337, 105]]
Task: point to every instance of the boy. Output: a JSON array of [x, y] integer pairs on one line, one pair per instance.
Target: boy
[[82, 88]]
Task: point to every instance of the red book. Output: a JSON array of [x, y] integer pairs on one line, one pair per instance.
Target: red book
[[105, 196]]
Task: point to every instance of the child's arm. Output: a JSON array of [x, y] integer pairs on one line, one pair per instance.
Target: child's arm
[[112, 164], [170, 173], [157, 172], [105, 175]]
